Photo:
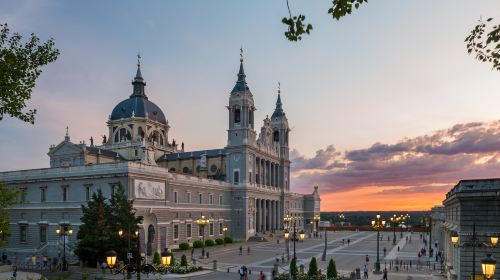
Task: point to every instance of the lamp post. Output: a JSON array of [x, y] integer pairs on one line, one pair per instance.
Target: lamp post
[[316, 221], [488, 263], [403, 218], [64, 230], [428, 223], [121, 233], [224, 230], [377, 224], [286, 235], [166, 259], [342, 219], [394, 221], [287, 219], [201, 223]]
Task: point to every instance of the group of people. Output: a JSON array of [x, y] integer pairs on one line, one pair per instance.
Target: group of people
[[32, 262]]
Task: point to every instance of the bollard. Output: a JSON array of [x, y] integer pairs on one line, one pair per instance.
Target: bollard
[[228, 270], [215, 264], [249, 271], [358, 273]]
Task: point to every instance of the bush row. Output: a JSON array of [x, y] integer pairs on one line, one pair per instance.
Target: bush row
[[208, 243]]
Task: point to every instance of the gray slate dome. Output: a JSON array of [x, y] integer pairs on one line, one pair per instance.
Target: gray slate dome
[[138, 104]]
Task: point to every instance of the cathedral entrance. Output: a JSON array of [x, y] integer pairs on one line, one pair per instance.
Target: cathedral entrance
[[150, 240]]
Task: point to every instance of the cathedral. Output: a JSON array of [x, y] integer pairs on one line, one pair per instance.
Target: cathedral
[[244, 186]]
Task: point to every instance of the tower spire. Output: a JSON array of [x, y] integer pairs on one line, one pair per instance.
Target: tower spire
[[278, 111], [241, 83], [138, 82]]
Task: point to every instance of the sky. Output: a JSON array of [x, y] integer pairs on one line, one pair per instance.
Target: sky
[[387, 110]]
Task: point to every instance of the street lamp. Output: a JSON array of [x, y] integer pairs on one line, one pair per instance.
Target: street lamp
[[201, 223], [403, 218], [316, 221], [166, 260], [286, 234], [394, 220], [64, 230], [377, 224], [302, 235], [488, 263], [342, 219], [224, 229], [111, 258], [287, 219]]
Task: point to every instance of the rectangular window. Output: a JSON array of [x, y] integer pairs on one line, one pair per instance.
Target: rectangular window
[[175, 197], [188, 197], [65, 193], [220, 199], [189, 230], [201, 198], [87, 193], [211, 227], [24, 192], [23, 229], [221, 226], [236, 177], [43, 233], [250, 177], [43, 194], [211, 199], [176, 231]]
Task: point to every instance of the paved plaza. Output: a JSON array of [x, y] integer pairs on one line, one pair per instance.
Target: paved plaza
[[348, 257]]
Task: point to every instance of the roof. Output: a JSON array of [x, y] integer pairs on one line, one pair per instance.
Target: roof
[[108, 153], [241, 83], [138, 104], [193, 154], [278, 111]]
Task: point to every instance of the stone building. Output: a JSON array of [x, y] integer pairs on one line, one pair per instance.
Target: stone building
[[471, 203], [244, 185]]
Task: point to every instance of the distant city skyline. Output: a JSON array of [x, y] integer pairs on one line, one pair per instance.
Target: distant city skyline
[[387, 110]]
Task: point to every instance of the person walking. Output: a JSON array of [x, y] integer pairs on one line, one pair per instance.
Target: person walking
[[192, 253], [365, 272], [348, 242], [385, 251], [385, 274], [241, 250], [248, 250]]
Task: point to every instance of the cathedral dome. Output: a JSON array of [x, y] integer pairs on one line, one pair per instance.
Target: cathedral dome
[[138, 104], [138, 107]]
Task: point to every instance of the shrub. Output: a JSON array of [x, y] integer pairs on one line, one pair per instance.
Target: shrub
[[156, 258], [197, 244], [219, 241], [313, 267], [184, 246], [184, 261], [209, 242], [331, 271], [179, 269], [228, 239]]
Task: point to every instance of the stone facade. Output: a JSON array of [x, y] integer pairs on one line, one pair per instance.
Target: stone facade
[[244, 186], [471, 203]]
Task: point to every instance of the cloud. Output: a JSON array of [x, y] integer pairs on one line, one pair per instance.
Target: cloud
[[425, 164]]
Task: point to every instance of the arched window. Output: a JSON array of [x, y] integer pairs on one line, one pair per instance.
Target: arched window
[[122, 135], [237, 115], [185, 170], [276, 136], [250, 117], [161, 139], [140, 132]]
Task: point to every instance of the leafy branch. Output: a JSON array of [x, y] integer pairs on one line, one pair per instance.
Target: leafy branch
[[342, 8], [296, 26], [486, 46]]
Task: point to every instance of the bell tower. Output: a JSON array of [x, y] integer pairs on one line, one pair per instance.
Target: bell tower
[[281, 131], [241, 112]]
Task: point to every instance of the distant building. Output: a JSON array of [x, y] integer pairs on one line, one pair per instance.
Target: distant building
[[469, 203], [244, 185]]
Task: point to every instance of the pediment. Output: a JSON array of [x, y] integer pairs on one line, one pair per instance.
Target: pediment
[[65, 148]]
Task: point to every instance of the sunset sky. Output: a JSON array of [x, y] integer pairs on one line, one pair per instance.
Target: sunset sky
[[387, 110]]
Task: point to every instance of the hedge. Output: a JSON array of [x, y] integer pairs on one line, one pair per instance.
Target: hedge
[[209, 242], [197, 244], [184, 246]]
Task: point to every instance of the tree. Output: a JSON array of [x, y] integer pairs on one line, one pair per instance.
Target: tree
[[184, 261], [331, 271], [293, 268], [20, 66], [94, 233], [313, 267], [156, 258], [297, 27], [8, 197], [485, 46], [123, 217]]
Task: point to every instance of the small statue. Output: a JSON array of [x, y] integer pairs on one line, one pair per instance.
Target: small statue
[[104, 139], [173, 142], [91, 141], [182, 145]]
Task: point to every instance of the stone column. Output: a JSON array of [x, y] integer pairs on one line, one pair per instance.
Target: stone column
[[257, 215], [273, 215]]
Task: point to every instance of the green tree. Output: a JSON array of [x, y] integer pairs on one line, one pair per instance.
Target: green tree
[[486, 47], [313, 267], [8, 197], [184, 261], [95, 231], [331, 271], [20, 66], [156, 258], [123, 217], [293, 269]]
